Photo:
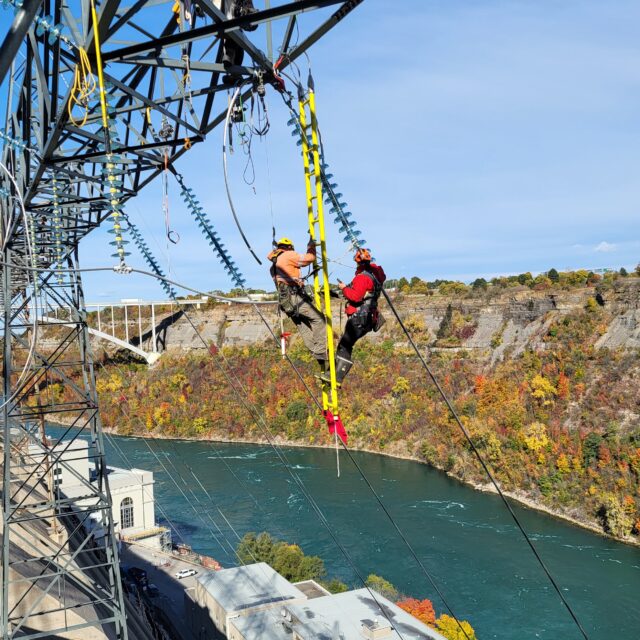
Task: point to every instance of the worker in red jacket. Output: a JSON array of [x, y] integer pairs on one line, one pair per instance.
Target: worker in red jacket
[[362, 308]]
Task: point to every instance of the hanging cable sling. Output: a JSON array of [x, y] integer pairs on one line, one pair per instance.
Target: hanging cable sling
[[315, 213], [227, 125]]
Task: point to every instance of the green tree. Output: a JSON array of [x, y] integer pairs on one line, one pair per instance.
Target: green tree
[[256, 548], [382, 586], [623, 272], [296, 410], [291, 563], [479, 284], [403, 284], [335, 586], [446, 325], [287, 559], [590, 448], [525, 278], [553, 275]]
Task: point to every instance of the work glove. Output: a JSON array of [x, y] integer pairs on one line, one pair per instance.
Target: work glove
[[311, 245]]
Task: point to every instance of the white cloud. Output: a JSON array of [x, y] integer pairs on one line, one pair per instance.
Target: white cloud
[[605, 247]]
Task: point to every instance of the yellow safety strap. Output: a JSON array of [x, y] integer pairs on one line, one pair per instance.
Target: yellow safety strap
[[96, 36], [315, 212], [84, 85]]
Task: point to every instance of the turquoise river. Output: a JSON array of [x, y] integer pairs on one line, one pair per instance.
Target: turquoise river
[[465, 538]]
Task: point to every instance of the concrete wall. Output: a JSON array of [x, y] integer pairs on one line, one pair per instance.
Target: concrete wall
[[137, 485], [75, 457], [205, 617]]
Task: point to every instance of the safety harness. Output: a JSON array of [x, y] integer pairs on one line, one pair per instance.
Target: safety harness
[[366, 313], [289, 303]]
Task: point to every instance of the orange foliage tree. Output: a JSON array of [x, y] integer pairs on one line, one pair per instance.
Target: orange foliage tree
[[421, 609]]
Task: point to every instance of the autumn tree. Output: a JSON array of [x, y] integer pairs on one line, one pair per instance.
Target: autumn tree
[[593, 278], [613, 516], [418, 286], [452, 288], [450, 628], [542, 390], [421, 609]]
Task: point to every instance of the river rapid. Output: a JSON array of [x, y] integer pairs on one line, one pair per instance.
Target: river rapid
[[465, 539]]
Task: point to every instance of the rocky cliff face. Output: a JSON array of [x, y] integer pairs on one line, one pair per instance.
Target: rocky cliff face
[[545, 382], [491, 327]]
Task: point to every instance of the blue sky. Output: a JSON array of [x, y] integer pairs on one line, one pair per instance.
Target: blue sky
[[469, 139]]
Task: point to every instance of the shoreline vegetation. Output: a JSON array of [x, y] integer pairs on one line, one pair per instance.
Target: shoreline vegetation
[[517, 496], [544, 382]]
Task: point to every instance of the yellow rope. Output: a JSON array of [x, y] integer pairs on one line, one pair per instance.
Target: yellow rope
[[84, 85], [96, 35]]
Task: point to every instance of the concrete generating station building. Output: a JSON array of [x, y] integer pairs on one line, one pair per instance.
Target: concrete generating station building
[[131, 493], [254, 602]]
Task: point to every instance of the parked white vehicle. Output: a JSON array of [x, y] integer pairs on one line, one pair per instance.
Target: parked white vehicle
[[185, 573]]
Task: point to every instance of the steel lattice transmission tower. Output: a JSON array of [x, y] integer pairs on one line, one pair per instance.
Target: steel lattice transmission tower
[[162, 71]]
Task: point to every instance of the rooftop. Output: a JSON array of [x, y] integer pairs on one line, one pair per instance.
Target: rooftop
[[127, 477], [343, 616], [249, 586], [311, 589]]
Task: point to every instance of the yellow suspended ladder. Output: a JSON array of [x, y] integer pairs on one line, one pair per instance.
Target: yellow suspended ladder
[[315, 211]]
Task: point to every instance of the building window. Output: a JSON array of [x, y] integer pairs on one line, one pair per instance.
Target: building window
[[126, 513]]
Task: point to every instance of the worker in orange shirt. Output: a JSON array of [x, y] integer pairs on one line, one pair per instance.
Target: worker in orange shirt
[[294, 300]]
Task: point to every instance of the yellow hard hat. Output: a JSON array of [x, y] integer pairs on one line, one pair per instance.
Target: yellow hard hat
[[285, 242]]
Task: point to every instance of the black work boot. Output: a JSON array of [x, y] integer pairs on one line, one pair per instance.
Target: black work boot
[[343, 365], [325, 376]]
